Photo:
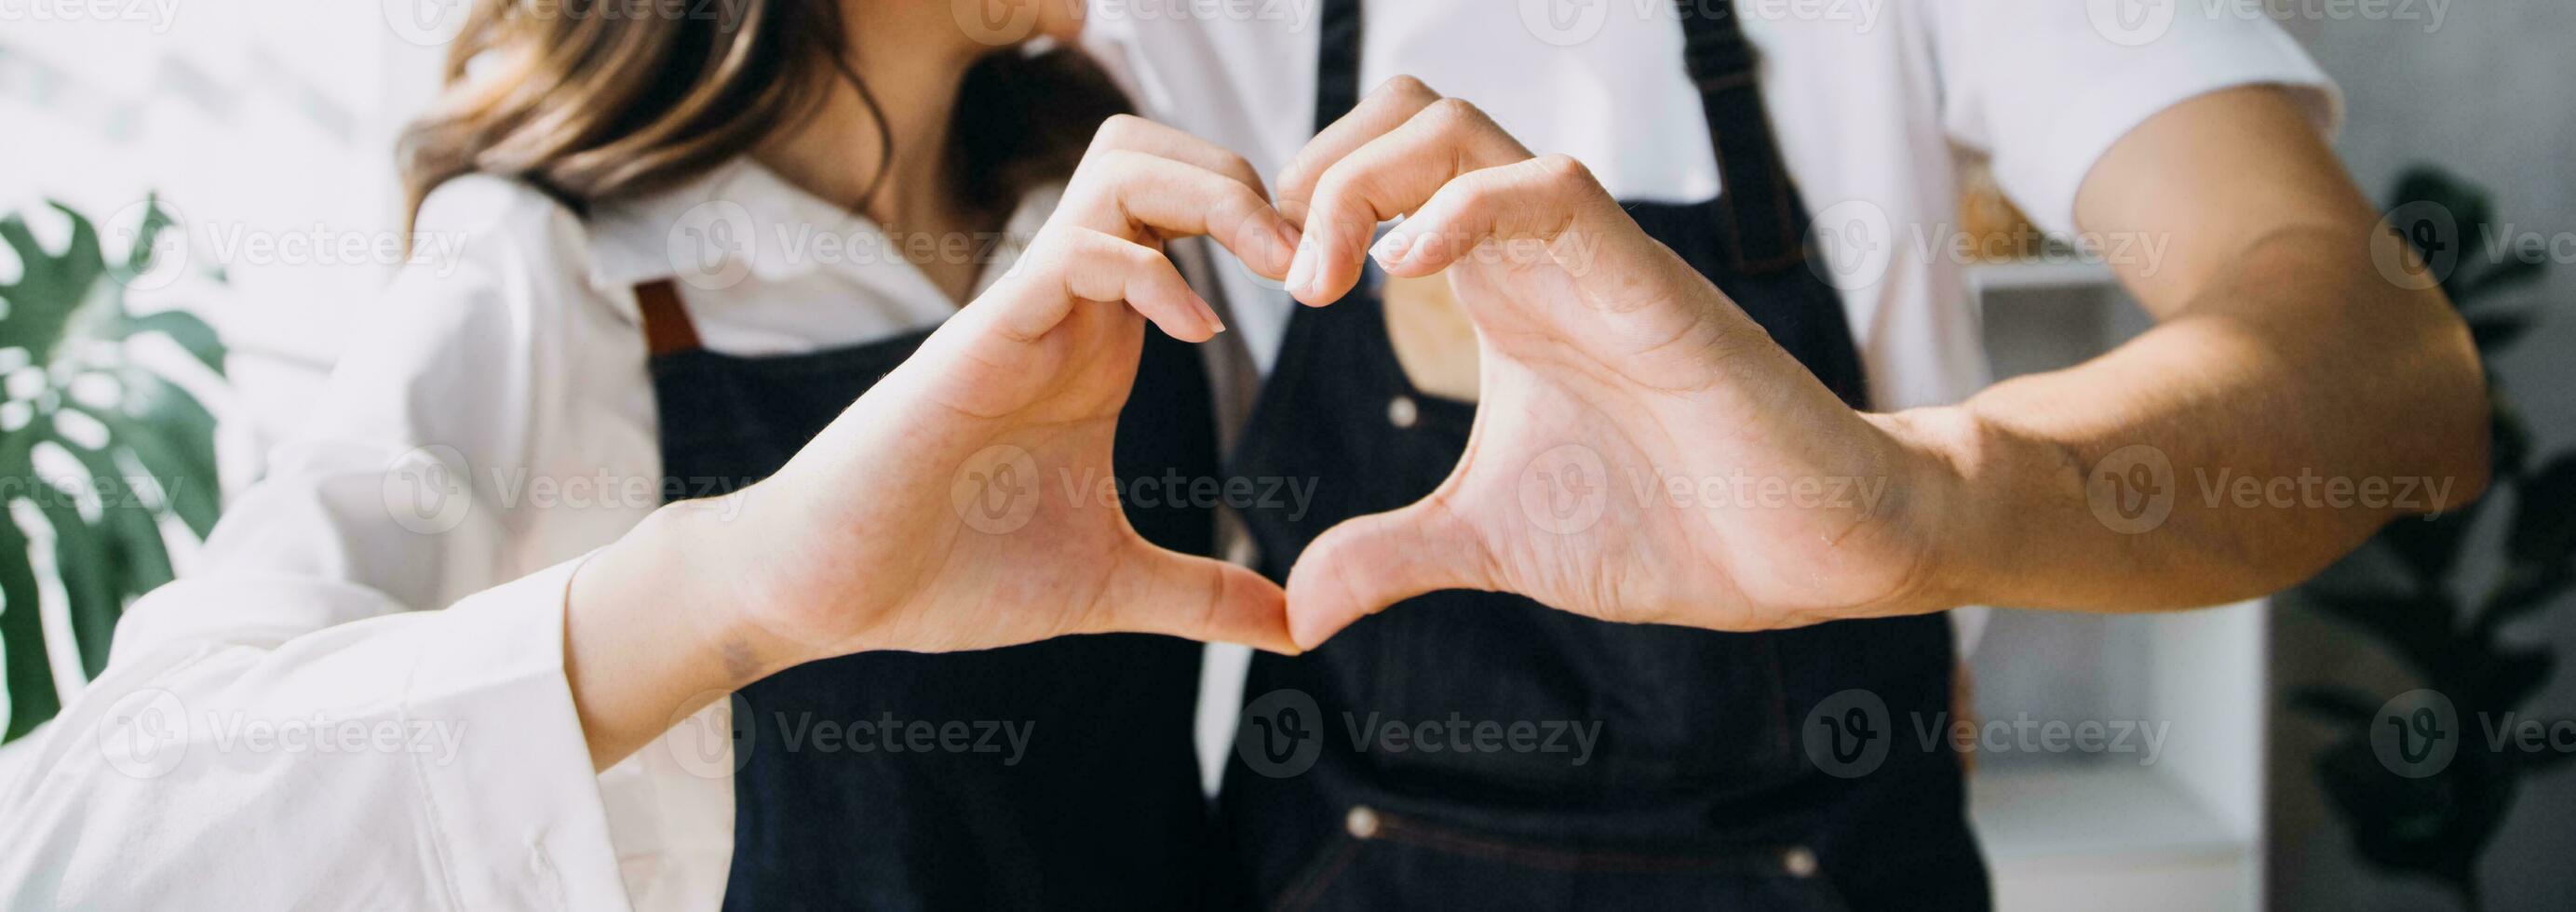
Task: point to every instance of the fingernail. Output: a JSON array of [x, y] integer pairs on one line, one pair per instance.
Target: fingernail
[[1391, 249], [1208, 313], [1301, 270]]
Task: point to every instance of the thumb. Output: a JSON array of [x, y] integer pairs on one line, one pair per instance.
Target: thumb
[[1366, 563], [1158, 591]]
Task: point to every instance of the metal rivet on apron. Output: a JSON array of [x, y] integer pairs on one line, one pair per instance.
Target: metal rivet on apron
[[1402, 411], [1799, 861], [1361, 822]]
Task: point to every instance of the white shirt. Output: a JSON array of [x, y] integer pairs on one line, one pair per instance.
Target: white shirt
[[289, 729], [360, 701], [1865, 96]]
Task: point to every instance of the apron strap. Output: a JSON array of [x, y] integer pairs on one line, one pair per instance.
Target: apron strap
[[1337, 62], [667, 329], [1760, 209], [1760, 206]]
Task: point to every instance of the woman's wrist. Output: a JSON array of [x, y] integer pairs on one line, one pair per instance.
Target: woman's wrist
[[655, 629]]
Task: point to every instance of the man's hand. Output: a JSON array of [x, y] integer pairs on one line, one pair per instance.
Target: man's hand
[[1739, 494], [1642, 452]]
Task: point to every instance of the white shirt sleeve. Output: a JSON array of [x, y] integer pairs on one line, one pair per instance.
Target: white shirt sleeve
[[2048, 87], [289, 729]]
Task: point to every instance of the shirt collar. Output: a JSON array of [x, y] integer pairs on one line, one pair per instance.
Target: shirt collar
[[743, 220]]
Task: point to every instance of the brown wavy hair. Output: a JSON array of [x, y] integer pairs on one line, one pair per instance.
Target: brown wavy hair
[[591, 99]]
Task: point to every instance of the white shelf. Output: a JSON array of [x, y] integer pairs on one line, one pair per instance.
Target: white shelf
[[2096, 812], [2109, 839], [2064, 272]]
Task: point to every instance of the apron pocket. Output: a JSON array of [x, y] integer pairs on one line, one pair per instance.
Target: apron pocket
[[1389, 861]]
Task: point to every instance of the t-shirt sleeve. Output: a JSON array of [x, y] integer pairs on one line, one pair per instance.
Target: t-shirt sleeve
[[2045, 88]]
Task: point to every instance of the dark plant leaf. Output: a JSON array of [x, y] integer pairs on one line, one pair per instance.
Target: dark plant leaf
[[139, 256], [2511, 436], [88, 569], [2502, 681], [2418, 628], [30, 674], [191, 332], [68, 312], [2544, 514], [2495, 331], [2430, 546], [2468, 203], [2470, 212], [186, 474], [2434, 826], [50, 285], [2525, 589], [2497, 279], [128, 524], [2335, 703]]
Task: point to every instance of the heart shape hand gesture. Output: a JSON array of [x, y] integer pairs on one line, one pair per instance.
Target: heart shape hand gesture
[[1635, 424]]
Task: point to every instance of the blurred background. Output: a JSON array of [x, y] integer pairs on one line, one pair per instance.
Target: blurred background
[[201, 196]]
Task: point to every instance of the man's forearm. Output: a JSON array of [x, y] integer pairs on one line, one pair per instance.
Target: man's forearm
[[2296, 404]]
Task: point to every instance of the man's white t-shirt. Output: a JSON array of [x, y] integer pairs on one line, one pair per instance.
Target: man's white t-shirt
[[1867, 98]]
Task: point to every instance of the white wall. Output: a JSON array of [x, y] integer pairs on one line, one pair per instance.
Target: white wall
[[266, 124]]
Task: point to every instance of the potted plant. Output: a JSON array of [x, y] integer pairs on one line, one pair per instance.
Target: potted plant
[[2436, 819], [101, 454]]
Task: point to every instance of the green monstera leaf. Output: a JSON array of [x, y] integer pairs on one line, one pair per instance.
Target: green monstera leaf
[[99, 452]]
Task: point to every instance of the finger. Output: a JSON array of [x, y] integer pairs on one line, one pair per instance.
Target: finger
[[1387, 107], [1136, 195], [1131, 133], [1157, 591], [1553, 203], [1088, 265], [1362, 565], [1384, 178]]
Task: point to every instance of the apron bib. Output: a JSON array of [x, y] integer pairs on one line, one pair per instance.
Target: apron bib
[[836, 805], [1696, 790]]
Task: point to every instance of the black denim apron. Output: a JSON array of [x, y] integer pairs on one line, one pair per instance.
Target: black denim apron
[[1699, 791], [836, 803]]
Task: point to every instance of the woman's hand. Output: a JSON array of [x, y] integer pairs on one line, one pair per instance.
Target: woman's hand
[[1643, 450], [956, 506]]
